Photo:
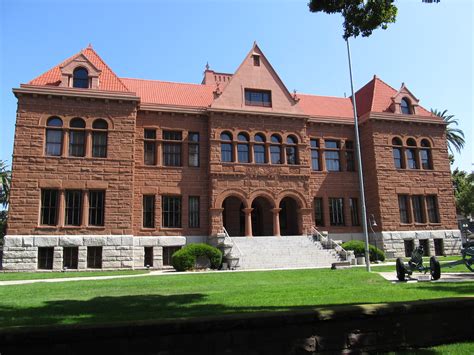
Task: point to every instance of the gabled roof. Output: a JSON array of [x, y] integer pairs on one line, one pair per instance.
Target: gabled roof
[[376, 96], [108, 81], [173, 94]]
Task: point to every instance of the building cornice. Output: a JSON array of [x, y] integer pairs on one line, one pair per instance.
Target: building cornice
[[172, 109], [73, 92], [400, 118], [258, 113]]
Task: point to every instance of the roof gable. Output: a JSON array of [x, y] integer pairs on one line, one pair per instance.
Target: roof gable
[[261, 77], [108, 81]]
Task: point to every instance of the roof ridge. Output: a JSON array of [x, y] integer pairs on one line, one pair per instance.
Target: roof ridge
[[105, 64], [170, 82]]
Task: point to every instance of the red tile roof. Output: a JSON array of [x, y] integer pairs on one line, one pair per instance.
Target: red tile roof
[[168, 93], [107, 80], [326, 106]]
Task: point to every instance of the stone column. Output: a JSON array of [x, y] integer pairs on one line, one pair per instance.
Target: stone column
[[235, 153], [216, 221], [88, 144], [65, 147], [85, 208], [58, 258], [268, 157], [62, 209], [159, 155], [248, 221], [251, 156], [276, 221], [283, 154]]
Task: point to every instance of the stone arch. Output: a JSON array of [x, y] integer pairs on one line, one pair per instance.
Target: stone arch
[[228, 193], [265, 194], [296, 195]]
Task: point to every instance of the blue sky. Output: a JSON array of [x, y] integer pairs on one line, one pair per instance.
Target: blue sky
[[430, 47]]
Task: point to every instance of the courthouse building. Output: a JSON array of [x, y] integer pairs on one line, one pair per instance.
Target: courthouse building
[[112, 172]]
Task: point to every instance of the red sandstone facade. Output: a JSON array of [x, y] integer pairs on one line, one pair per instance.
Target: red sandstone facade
[[258, 195]]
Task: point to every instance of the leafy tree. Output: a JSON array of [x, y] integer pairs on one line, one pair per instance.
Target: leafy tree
[[464, 192], [455, 136], [5, 179], [360, 16]]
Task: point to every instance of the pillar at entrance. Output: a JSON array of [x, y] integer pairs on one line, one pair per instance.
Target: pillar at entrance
[[276, 221], [248, 221], [306, 220]]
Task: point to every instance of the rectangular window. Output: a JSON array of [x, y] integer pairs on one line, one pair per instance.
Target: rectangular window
[[45, 258], [73, 208], [70, 257], [168, 253], [193, 208], [275, 154], [318, 211], [409, 246], [54, 142], [49, 207], [350, 162], [171, 149], [315, 165], [332, 157], [243, 153], [77, 143], [259, 153], [417, 205], [411, 159], [193, 149], [96, 207], [149, 147], [256, 60], [425, 243], [94, 257], [226, 152], [171, 210], [336, 211], [148, 260], [439, 246], [354, 204], [99, 144], [149, 211], [397, 158], [258, 98], [425, 159], [403, 208], [432, 206]]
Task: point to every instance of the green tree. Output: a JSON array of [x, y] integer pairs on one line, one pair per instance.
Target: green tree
[[455, 136], [360, 16], [5, 181], [464, 192]]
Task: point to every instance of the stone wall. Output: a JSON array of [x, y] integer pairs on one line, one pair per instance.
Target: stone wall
[[332, 330], [20, 253]]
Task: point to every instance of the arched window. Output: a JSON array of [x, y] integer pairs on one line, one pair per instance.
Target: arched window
[[99, 138], [405, 106], [259, 149], [397, 153], [226, 147], [425, 155], [80, 78], [54, 136], [291, 150], [243, 148], [275, 149], [77, 137], [411, 154]]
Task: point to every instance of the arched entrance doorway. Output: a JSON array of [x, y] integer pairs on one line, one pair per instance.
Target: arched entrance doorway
[[233, 216], [289, 223], [262, 217]]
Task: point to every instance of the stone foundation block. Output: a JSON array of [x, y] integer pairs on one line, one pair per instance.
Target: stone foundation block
[[71, 241], [28, 241], [13, 241], [148, 241], [127, 240], [171, 241], [95, 241], [114, 240], [49, 241]]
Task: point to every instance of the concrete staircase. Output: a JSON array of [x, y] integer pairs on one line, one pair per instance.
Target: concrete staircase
[[298, 251]]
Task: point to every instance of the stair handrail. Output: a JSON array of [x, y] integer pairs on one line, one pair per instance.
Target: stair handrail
[[329, 243], [229, 238]]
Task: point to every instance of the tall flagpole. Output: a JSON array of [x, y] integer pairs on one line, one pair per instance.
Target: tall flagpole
[[359, 163]]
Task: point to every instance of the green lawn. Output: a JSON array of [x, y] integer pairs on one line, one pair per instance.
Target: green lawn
[[11, 276], [195, 294], [466, 348]]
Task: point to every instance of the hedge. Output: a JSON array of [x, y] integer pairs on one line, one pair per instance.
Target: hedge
[[358, 246], [185, 258]]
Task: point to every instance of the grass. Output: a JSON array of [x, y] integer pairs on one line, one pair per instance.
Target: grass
[[463, 348], [426, 262], [14, 276], [194, 295]]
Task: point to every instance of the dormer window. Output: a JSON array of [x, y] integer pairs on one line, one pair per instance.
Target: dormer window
[[256, 60], [405, 107], [80, 78], [258, 98]]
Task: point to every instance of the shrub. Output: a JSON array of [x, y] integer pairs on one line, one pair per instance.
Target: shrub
[[185, 258], [358, 246]]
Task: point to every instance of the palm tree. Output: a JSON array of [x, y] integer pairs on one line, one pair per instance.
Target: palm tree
[[455, 136], [5, 178]]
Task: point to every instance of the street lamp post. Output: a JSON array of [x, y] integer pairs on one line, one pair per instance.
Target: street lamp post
[[359, 163]]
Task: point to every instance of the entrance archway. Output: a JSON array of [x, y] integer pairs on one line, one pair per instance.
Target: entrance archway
[[262, 217], [233, 216], [289, 223]]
